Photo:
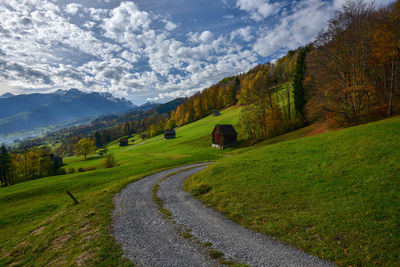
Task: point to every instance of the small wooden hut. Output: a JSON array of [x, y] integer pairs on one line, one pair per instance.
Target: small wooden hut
[[223, 136], [169, 134], [216, 113], [123, 142]]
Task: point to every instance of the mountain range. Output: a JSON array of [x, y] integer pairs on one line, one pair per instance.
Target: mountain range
[[26, 112]]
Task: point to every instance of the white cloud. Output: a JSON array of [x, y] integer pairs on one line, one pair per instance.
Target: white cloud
[[170, 26], [174, 94], [126, 18], [89, 24], [97, 14], [128, 51], [72, 8], [296, 29], [206, 37], [258, 9], [244, 33]]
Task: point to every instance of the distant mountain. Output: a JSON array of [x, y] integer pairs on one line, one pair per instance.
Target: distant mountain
[[27, 112], [6, 95], [148, 106]]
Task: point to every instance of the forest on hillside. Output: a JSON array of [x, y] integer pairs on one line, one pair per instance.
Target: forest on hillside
[[350, 74]]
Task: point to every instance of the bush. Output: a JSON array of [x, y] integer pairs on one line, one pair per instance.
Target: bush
[[61, 171], [109, 162], [201, 189], [81, 169], [90, 168], [71, 170]]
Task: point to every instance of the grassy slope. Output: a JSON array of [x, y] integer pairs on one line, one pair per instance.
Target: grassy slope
[[40, 225], [334, 195]]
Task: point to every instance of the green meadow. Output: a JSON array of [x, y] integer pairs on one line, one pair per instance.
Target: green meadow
[[334, 195]]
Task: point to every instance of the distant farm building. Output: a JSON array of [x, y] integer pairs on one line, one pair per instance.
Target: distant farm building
[[216, 113], [223, 136], [123, 142], [169, 134]]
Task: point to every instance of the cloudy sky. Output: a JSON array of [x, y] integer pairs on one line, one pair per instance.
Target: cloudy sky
[[147, 49]]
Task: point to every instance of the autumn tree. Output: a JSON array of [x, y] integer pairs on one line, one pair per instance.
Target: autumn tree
[[340, 63], [386, 54], [257, 94], [84, 147]]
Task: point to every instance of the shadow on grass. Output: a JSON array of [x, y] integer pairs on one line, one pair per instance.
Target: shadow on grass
[[94, 157]]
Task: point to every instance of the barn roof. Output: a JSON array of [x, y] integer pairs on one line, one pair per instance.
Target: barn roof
[[226, 129]]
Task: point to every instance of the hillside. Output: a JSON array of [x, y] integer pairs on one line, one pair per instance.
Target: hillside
[[334, 195], [40, 225], [27, 112]]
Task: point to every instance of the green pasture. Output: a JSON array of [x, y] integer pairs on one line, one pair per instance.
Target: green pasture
[[334, 195]]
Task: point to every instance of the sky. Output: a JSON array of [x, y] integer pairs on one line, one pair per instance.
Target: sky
[[148, 50]]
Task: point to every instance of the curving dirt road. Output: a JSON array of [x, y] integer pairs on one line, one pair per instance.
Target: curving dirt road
[[148, 239]]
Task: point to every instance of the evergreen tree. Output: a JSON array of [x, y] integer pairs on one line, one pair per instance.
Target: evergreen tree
[[5, 162], [298, 90], [97, 139]]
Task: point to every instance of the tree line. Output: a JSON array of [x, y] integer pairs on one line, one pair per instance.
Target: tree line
[[353, 68], [26, 164]]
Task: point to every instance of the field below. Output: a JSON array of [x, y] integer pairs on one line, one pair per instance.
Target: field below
[[333, 195]]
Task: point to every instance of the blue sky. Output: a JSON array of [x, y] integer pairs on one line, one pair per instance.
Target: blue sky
[[147, 50]]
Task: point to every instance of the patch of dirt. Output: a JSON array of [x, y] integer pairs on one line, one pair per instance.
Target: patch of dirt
[[83, 258], [57, 262], [321, 127], [5, 254], [59, 241], [92, 235], [15, 263], [39, 230]]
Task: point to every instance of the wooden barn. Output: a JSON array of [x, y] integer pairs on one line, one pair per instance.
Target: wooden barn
[[216, 113], [169, 134], [223, 136], [123, 142]]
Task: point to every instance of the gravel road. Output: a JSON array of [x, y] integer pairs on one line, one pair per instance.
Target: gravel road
[[146, 237], [150, 240]]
